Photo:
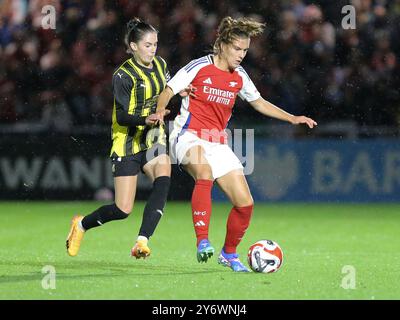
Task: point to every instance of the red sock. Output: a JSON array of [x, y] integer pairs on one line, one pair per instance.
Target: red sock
[[238, 221], [201, 208]]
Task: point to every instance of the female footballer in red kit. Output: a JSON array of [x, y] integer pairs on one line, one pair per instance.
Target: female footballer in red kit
[[199, 141]]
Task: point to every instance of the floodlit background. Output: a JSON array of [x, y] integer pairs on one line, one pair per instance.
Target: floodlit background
[[334, 189], [56, 98]]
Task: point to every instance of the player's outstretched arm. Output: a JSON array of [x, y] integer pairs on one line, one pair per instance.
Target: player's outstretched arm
[[271, 110]]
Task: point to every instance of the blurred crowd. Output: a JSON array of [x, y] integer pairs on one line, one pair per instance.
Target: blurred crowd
[[305, 61]]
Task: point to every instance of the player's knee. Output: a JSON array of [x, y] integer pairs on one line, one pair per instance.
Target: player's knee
[[244, 202], [204, 176], [123, 209], [164, 171], [203, 173]]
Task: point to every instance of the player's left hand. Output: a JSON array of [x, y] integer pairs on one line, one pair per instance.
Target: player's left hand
[[188, 91], [302, 119]]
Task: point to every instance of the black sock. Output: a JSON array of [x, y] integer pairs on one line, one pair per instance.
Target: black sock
[[103, 215], [155, 206]]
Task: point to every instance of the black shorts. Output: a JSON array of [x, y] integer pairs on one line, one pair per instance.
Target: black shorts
[[131, 165]]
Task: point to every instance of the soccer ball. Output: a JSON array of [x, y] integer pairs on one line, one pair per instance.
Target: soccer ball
[[265, 256]]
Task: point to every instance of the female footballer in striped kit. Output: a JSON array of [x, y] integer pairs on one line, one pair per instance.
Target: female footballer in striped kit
[[199, 141], [137, 138]]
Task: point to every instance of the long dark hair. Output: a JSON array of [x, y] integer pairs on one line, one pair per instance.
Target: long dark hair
[[136, 29]]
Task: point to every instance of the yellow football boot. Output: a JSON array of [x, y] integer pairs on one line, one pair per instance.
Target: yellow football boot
[[140, 250], [75, 236]]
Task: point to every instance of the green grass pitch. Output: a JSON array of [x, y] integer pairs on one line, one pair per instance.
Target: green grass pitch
[[318, 240]]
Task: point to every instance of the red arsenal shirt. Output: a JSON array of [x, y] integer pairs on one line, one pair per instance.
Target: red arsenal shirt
[[208, 114]]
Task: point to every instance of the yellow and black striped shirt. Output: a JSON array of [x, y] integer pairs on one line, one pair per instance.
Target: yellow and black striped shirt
[[136, 90]]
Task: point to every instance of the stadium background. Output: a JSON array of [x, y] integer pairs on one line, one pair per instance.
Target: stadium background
[[55, 111], [56, 95]]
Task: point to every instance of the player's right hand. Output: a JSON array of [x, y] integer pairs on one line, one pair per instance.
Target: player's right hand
[[151, 119], [160, 114]]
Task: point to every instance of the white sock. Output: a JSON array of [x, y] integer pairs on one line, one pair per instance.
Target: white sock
[[142, 238], [80, 226]]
